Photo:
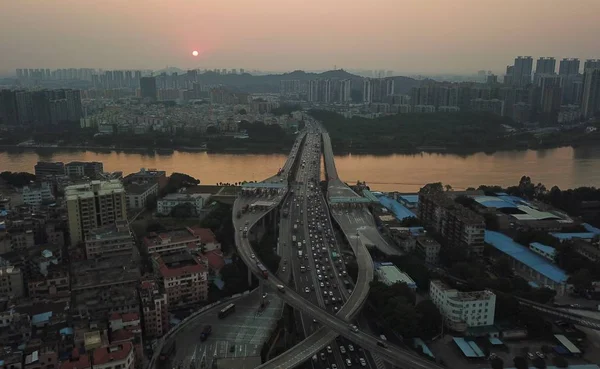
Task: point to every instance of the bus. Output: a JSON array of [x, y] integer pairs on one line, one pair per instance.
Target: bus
[[226, 311], [263, 270]]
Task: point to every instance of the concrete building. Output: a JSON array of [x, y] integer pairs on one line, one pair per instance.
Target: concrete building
[[44, 358], [148, 88], [154, 306], [568, 70], [389, 274], [93, 205], [111, 240], [345, 90], [522, 70], [460, 226], [48, 169], [121, 356], [550, 86], [545, 65], [184, 278], [462, 310], [11, 280], [37, 195], [167, 203], [494, 106], [90, 169], [148, 175], [137, 193], [428, 248], [590, 103], [172, 241]]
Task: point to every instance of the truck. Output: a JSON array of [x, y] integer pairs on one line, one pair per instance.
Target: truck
[[263, 270], [299, 254], [206, 331]]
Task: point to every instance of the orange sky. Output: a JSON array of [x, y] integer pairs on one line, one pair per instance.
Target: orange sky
[[408, 36]]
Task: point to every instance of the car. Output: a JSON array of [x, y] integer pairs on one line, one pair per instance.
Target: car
[[322, 356], [381, 344], [362, 362], [530, 356], [330, 293], [335, 308], [283, 269], [321, 284], [333, 300], [342, 349], [325, 293], [351, 348], [315, 321], [348, 362], [307, 290], [252, 256], [329, 350], [540, 355], [326, 302], [333, 366]]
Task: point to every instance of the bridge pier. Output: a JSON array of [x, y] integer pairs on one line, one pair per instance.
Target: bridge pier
[[249, 278]]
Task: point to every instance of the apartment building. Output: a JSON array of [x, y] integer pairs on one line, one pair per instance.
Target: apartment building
[[36, 195], [184, 278], [91, 169], [11, 280], [462, 310], [49, 169], [154, 306], [93, 205], [460, 226], [111, 240], [428, 248]]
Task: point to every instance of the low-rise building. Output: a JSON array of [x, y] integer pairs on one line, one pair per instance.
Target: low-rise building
[[428, 248], [15, 328], [49, 169], [44, 358], [49, 277], [138, 193], [462, 310], [184, 278], [172, 241], [11, 280], [90, 169], [389, 274], [120, 356], [36, 195], [148, 175], [155, 316], [76, 361], [167, 203], [112, 240]]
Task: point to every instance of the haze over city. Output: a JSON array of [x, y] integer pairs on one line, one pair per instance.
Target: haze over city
[[433, 36]]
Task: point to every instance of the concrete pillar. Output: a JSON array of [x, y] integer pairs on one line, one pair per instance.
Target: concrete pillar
[[249, 277]]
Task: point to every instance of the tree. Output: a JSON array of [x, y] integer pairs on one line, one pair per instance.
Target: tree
[[539, 363], [582, 280], [352, 269], [17, 179], [185, 210], [151, 202], [520, 362], [497, 363], [430, 319]]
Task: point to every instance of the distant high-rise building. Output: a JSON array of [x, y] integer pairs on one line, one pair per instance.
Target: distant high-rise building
[[345, 89], [93, 205], [550, 92], [313, 90], [569, 71], [289, 86], [522, 70], [8, 107], [591, 64], [148, 88], [492, 79], [367, 90], [568, 67], [545, 65], [590, 103]]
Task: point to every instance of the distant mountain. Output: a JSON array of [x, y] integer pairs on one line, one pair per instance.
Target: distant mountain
[[270, 82]]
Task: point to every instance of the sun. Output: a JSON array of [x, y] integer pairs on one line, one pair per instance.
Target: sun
[[195, 53]]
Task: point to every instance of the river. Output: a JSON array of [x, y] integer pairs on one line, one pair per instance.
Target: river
[[565, 167]]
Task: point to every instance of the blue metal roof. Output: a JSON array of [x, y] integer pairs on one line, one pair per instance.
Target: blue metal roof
[[495, 341], [413, 199], [466, 347], [400, 211], [41, 318], [524, 255], [498, 204], [419, 343], [568, 236], [545, 248], [591, 228]]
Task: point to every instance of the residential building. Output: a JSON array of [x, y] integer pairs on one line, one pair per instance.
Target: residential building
[[463, 310], [590, 104], [154, 304], [428, 248], [93, 205], [550, 86], [138, 193], [167, 203], [544, 66], [15, 328], [289, 87], [494, 106], [569, 72], [148, 175], [522, 70], [172, 241], [345, 91], [76, 361], [49, 169], [389, 274], [460, 226], [44, 358], [184, 278], [148, 88], [36, 195], [11, 280], [111, 240], [591, 64], [78, 169], [120, 356]]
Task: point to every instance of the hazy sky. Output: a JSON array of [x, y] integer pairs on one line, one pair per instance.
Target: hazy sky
[[408, 36]]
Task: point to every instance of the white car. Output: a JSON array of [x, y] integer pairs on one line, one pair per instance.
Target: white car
[[252, 256], [362, 362], [351, 348], [306, 289]]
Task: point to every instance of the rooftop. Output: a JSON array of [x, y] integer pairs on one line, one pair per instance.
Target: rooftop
[[182, 197], [536, 262], [400, 211], [76, 361], [172, 236], [441, 199], [176, 265], [463, 296], [103, 355], [104, 271], [394, 275], [137, 188], [87, 190], [120, 229]]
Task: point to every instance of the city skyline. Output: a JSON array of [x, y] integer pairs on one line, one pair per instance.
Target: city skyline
[[446, 38]]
